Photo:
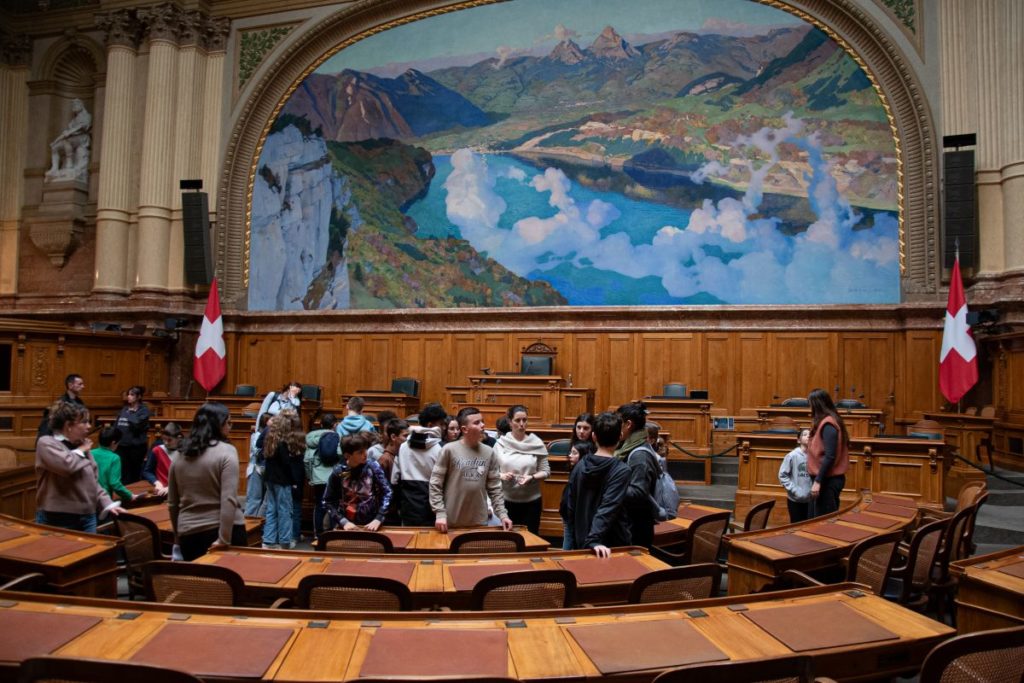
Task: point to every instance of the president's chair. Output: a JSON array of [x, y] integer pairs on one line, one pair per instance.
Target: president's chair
[[406, 385]]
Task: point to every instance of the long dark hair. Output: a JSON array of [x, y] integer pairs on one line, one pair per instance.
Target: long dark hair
[[636, 413], [822, 407], [207, 429]]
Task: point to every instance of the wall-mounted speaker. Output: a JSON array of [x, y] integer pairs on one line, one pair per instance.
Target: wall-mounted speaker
[[195, 217], [960, 209]]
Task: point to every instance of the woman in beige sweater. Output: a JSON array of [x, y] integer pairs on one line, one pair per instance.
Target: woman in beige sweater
[[523, 464]]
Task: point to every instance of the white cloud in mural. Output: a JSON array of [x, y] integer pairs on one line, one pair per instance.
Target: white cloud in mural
[[723, 251]]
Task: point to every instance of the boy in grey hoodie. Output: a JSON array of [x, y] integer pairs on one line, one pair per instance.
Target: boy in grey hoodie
[[794, 478]]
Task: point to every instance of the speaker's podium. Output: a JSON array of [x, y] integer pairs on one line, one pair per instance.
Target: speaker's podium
[[548, 398]]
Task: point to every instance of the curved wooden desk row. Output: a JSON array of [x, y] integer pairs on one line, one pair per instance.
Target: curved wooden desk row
[[849, 634], [162, 517], [758, 558], [73, 563], [991, 590], [435, 580], [674, 530]]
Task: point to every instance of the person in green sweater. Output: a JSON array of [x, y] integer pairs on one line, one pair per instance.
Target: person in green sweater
[[109, 464]]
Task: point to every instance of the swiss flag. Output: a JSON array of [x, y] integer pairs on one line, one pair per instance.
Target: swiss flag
[[210, 364], [958, 360]]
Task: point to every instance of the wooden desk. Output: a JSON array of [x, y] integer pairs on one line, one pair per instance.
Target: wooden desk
[[73, 563], [899, 466], [160, 514], [427, 539], [376, 401], [689, 421], [538, 646], [546, 397], [988, 597], [435, 580], [754, 566], [859, 421], [18, 492], [962, 433]]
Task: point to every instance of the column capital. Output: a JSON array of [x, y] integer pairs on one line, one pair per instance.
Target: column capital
[[192, 28], [15, 49], [216, 31], [163, 22], [121, 27]]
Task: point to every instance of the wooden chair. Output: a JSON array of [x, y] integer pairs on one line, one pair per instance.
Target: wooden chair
[[141, 546], [987, 656], [8, 458], [757, 517], [188, 583], [245, 390], [540, 589], [795, 669], [82, 670], [783, 424], [796, 402], [692, 582], [369, 542], [488, 542], [251, 409], [926, 429], [353, 593], [987, 411], [911, 581], [701, 544], [956, 545], [559, 447], [971, 410], [870, 563]]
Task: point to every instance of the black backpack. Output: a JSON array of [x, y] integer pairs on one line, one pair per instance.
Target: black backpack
[[327, 449]]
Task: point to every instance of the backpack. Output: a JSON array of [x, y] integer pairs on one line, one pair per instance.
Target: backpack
[[327, 449]]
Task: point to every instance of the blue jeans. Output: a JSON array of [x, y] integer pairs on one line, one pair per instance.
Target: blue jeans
[[277, 530], [68, 520], [254, 494]]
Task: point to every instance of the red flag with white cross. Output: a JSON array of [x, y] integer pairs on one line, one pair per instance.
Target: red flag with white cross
[[211, 356], [958, 360]]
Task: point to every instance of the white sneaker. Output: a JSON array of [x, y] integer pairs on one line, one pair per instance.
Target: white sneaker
[[270, 546], [291, 545]]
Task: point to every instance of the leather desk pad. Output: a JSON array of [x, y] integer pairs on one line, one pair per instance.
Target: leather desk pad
[[399, 540], [31, 634], [893, 510], [815, 627], [214, 650], [399, 571], [442, 652], [793, 544], [634, 646], [46, 548], [838, 531], [893, 500], [691, 513], [9, 532], [161, 514], [257, 568], [466, 576], [619, 568], [1014, 569], [868, 520]]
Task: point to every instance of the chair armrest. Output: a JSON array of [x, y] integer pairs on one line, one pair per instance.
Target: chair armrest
[[281, 603], [25, 582], [796, 578], [668, 557]]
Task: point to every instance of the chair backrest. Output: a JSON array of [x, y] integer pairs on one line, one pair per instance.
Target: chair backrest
[[141, 546], [251, 409], [969, 493], [757, 516], [796, 668], [990, 656], [967, 547], [871, 561], [8, 458], [370, 542], [692, 582], [971, 410], [954, 540], [312, 392], [926, 429], [540, 589], [245, 390], [189, 583], [409, 386], [796, 402], [924, 546], [674, 389], [353, 593], [559, 447], [783, 424], [704, 537], [849, 404], [488, 542], [81, 670], [987, 411]]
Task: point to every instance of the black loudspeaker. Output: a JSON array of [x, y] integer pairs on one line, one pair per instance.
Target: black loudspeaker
[[960, 208], [195, 218]]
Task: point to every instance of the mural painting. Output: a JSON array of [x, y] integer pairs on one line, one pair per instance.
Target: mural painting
[[581, 153]]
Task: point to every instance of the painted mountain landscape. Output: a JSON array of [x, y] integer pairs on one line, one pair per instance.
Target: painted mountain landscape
[[582, 153]]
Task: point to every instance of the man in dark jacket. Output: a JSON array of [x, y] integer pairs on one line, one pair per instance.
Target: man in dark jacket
[[642, 507], [597, 490]]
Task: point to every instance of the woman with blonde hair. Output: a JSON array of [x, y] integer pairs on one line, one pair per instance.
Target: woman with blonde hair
[[284, 445]]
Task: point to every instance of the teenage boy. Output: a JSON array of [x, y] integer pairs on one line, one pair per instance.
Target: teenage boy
[[595, 503], [410, 473], [464, 477]]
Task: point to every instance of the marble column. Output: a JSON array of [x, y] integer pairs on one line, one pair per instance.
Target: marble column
[[115, 203], [1011, 91], [157, 183], [14, 57], [217, 31]]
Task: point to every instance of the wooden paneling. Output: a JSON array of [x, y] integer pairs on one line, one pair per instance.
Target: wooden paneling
[[917, 383], [751, 366], [867, 371], [622, 371], [801, 361]]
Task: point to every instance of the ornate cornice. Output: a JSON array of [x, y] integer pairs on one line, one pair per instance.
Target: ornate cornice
[[163, 22], [854, 29], [121, 28], [15, 50]]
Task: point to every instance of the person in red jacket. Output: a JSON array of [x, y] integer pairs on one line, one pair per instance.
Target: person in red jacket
[[828, 455], [161, 455]]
